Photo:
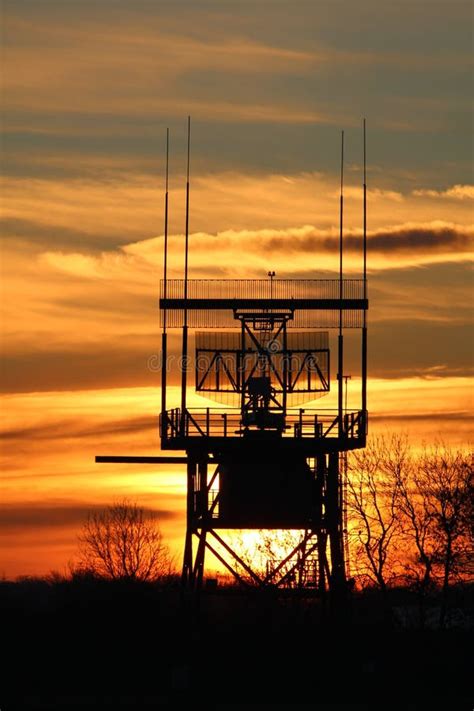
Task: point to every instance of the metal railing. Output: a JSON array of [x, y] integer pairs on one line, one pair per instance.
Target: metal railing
[[298, 424], [295, 296], [264, 289]]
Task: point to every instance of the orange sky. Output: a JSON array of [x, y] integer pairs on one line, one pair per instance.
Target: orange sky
[[88, 92]]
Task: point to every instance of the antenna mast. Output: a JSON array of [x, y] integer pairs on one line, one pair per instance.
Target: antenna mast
[[165, 283], [184, 360], [364, 322], [341, 294]]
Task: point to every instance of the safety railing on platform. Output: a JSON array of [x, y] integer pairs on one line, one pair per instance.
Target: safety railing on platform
[[298, 423], [311, 303], [264, 288]]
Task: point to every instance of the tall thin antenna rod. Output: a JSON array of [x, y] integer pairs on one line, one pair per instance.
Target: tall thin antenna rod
[[186, 247], [365, 221], [184, 363], [340, 345], [165, 294], [364, 323], [341, 228], [165, 268]]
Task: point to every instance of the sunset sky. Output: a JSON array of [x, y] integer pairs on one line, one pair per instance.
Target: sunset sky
[[88, 90]]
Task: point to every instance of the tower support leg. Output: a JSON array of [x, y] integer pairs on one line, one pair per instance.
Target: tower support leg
[[200, 518], [198, 574], [188, 572], [334, 524]]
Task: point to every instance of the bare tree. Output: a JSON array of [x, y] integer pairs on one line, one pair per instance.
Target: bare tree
[[420, 542], [372, 499], [123, 542], [412, 514], [444, 482]]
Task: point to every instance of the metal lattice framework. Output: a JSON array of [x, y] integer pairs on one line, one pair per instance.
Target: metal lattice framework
[[298, 363]]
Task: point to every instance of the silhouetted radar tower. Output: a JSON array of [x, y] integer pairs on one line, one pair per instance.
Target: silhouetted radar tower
[[259, 459]]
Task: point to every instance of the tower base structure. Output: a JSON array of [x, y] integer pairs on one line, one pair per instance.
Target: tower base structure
[[271, 485]]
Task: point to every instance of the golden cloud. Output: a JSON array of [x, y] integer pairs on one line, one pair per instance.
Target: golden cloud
[[457, 192], [120, 208]]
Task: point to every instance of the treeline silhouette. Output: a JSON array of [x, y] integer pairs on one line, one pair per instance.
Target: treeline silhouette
[[89, 642]]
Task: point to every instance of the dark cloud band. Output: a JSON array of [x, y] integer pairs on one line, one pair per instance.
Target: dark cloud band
[[23, 517], [413, 239]]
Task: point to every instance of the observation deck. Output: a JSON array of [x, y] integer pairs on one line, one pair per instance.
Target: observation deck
[[309, 429]]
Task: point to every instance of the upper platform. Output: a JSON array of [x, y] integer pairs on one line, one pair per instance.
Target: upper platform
[[306, 429], [310, 303]]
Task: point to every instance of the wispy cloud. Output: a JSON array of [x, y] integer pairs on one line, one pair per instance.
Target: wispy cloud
[[56, 514], [419, 240], [457, 192], [248, 251], [119, 208], [79, 429], [166, 50], [150, 69], [44, 73]]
